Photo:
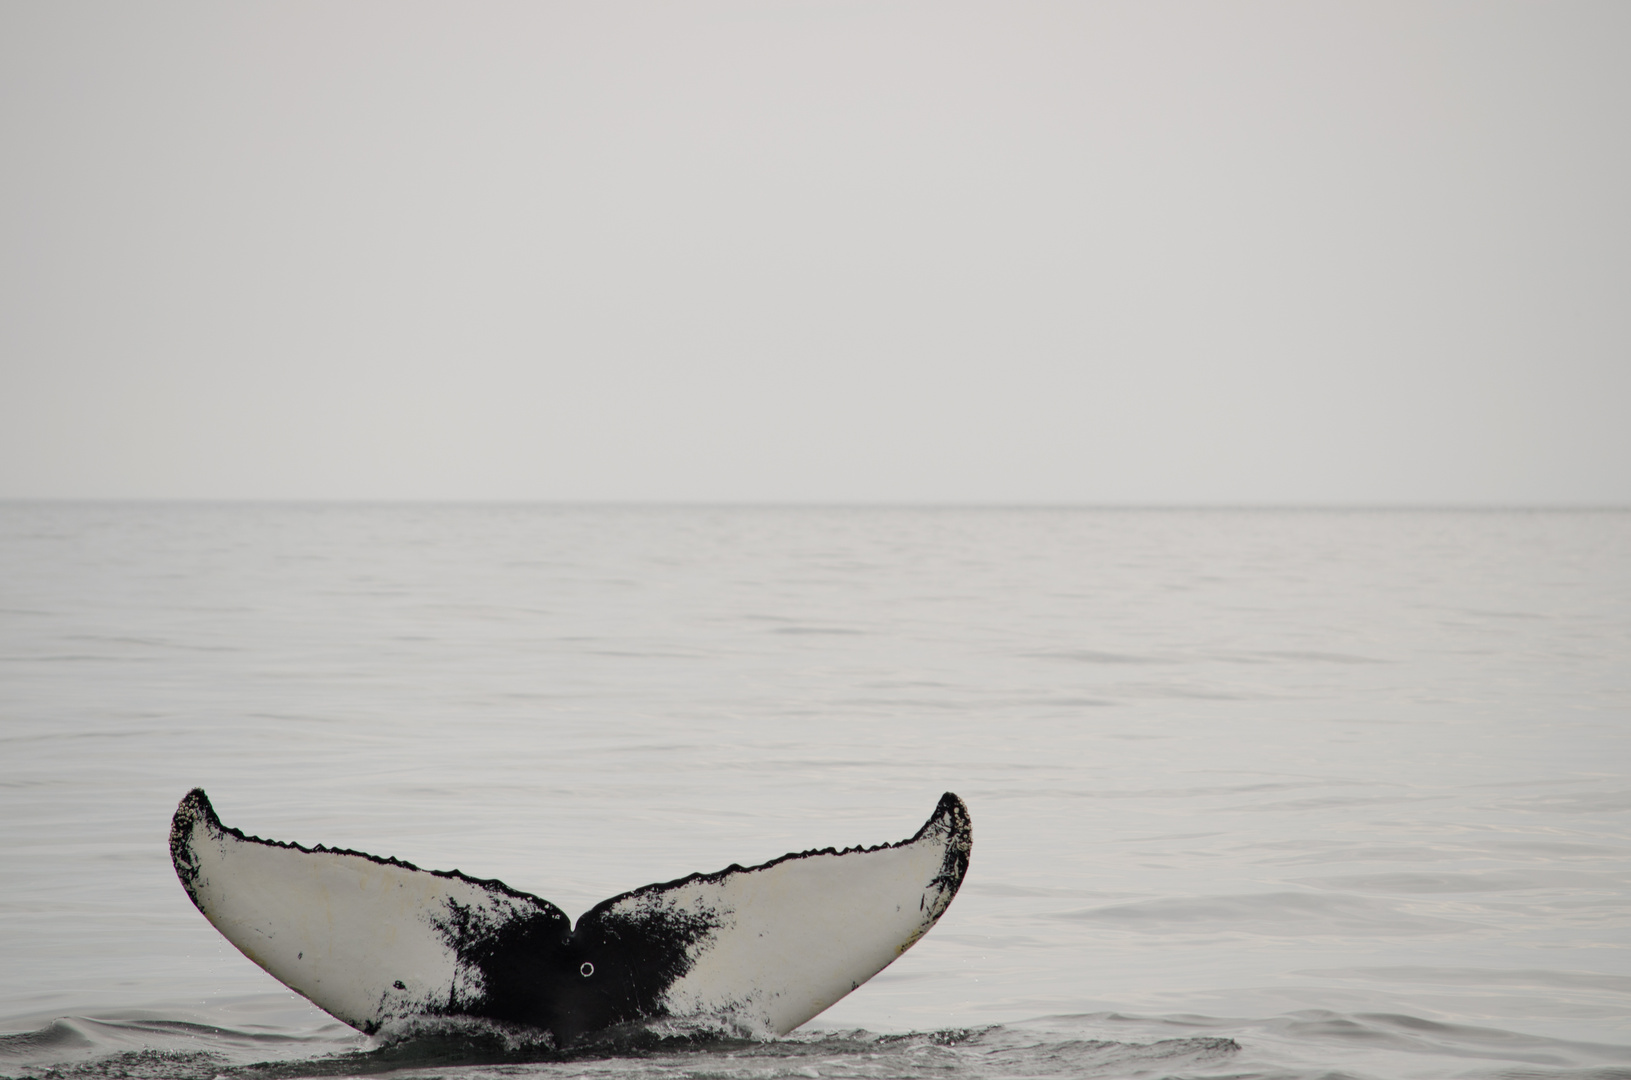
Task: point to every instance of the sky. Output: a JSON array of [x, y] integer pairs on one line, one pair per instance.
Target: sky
[[1308, 253]]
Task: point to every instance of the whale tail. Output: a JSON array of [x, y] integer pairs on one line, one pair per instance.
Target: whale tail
[[753, 950]]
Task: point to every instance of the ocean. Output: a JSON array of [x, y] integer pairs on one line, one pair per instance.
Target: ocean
[[1256, 793]]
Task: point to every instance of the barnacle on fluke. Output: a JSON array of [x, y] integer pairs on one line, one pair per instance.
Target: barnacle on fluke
[[747, 950]]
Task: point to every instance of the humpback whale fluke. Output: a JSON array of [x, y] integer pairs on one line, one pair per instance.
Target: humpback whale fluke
[[753, 950]]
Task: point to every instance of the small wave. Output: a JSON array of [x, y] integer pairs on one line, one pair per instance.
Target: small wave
[[55, 1038], [74, 1047], [1094, 656], [1529, 978], [1483, 881], [1303, 1045], [139, 1065], [1276, 914], [463, 1048]]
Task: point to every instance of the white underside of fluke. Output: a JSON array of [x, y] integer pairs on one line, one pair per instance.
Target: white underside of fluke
[[796, 936], [357, 936], [754, 951]]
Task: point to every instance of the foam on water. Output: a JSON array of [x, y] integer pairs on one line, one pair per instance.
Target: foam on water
[[1305, 1044], [1333, 793]]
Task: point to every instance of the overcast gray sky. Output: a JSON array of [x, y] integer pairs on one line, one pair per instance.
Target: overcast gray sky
[[1144, 252]]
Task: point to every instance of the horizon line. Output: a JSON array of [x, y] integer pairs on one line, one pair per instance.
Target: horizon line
[[816, 504]]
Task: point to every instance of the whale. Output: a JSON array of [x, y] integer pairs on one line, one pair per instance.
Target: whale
[[750, 951]]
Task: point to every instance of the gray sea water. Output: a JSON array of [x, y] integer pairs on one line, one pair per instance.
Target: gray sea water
[[1255, 793]]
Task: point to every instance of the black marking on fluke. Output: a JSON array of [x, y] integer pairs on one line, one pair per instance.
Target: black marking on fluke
[[536, 969]]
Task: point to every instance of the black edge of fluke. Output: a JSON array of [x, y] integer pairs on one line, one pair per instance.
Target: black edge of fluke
[[194, 808], [195, 805], [952, 816]]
